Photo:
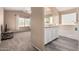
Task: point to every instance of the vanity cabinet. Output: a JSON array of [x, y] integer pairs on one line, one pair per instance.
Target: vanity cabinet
[[50, 34]]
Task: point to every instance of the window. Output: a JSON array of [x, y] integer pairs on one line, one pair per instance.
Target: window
[[69, 19], [48, 20], [27, 22], [22, 22]]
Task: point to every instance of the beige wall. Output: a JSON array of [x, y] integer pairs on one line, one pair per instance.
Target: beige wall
[[68, 11], [55, 14], [37, 27], [10, 18], [69, 31], [1, 16], [1, 19]]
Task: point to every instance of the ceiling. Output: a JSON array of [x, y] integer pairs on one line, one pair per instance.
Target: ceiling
[[63, 8], [28, 9], [25, 9], [48, 10], [59, 8]]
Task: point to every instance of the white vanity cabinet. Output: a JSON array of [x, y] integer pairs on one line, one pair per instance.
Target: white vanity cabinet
[[50, 33]]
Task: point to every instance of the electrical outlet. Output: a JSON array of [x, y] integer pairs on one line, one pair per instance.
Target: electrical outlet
[[76, 29]]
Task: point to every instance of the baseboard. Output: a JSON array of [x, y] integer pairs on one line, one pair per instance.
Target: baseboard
[[51, 41], [36, 47], [19, 31], [0, 41]]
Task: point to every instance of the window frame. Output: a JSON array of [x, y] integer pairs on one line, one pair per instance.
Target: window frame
[[48, 17], [17, 24], [69, 14]]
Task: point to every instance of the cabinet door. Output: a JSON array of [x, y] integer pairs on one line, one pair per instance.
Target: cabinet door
[[50, 34], [54, 33], [46, 35]]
